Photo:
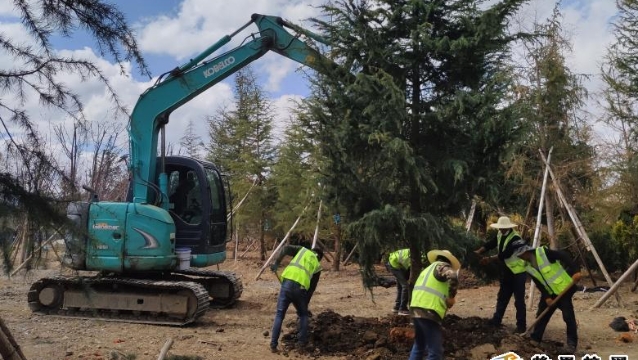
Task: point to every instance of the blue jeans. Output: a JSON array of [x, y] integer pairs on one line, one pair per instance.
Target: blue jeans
[[428, 338], [291, 292], [401, 302]]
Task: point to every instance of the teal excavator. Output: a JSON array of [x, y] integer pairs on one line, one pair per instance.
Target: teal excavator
[[134, 253]]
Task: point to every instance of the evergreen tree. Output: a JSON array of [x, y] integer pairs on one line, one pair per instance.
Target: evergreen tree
[[241, 144], [421, 128], [619, 208], [191, 142], [551, 100], [620, 73]]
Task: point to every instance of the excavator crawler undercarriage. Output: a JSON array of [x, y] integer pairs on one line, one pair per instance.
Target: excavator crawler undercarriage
[[177, 299]]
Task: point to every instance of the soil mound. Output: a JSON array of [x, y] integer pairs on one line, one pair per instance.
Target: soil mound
[[391, 337]]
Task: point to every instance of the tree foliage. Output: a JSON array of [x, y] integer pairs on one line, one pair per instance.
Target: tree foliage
[[241, 144], [31, 180], [551, 97], [620, 74], [421, 128]]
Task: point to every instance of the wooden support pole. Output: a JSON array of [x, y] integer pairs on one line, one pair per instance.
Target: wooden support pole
[[345, 262], [165, 348], [30, 256], [9, 348], [316, 236], [581, 231], [614, 288], [470, 216], [539, 217], [285, 239]]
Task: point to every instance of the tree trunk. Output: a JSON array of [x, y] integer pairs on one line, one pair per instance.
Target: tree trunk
[[262, 240], [9, 349], [337, 261]]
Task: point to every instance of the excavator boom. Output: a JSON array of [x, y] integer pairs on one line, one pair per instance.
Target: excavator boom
[[191, 79], [133, 245]]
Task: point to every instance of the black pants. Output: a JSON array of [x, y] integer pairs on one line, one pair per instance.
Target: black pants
[[511, 284], [566, 306]]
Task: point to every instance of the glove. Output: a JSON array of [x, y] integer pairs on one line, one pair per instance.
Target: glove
[[576, 277], [450, 302], [273, 267], [549, 301]]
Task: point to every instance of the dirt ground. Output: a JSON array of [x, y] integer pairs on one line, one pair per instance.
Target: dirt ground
[[348, 323]]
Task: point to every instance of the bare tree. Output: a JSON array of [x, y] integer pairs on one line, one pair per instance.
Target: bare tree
[[37, 72]]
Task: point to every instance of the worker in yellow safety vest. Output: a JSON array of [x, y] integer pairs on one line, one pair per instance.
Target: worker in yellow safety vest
[[399, 265], [555, 275], [295, 285], [433, 294], [513, 277]]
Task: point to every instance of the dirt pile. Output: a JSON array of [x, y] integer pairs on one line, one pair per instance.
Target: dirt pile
[[391, 338]]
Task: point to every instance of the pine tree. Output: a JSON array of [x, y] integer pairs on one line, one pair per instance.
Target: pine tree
[[620, 153], [551, 101], [422, 128], [620, 73], [241, 144], [191, 142]]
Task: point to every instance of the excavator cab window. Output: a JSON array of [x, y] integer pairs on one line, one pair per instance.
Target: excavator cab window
[[184, 197]]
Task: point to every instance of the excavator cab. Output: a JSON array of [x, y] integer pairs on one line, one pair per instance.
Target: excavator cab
[[198, 200]]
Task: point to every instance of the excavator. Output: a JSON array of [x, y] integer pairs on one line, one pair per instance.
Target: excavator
[[127, 254]]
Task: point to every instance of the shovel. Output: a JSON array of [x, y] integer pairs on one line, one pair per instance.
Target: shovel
[[549, 307]]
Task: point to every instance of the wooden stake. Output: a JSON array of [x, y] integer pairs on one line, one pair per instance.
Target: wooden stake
[[165, 348], [470, 217], [612, 290], [539, 217], [285, 239], [316, 236], [9, 348], [581, 231], [345, 262]]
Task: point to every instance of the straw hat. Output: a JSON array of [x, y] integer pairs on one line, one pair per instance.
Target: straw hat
[[503, 223], [433, 254]]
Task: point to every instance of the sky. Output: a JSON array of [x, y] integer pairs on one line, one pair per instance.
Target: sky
[[170, 32]]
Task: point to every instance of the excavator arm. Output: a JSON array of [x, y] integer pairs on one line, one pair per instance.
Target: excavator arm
[[184, 83]]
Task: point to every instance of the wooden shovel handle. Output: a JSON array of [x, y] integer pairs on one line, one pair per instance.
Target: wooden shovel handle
[[549, 307]]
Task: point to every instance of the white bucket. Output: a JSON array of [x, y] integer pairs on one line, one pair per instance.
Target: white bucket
[[184, 257]]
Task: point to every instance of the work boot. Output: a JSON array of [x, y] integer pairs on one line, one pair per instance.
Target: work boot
[[404, 313], [274, 350], [395, 310], [568, 349], [520, 330], [535, 343], [493, 323]]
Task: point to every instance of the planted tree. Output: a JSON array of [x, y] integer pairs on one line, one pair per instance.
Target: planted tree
[[422, 127], [241, 144]]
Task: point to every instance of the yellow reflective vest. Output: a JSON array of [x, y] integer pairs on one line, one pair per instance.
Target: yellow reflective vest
[[430, 293], [302, 267], [400, 259], [553, 276], [516, 265]]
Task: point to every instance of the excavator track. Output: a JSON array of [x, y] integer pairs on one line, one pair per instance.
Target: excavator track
[[224, 287], [119, 299]]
